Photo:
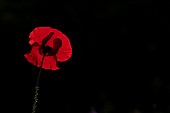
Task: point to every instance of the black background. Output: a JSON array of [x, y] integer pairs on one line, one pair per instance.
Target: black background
[[120, 55]]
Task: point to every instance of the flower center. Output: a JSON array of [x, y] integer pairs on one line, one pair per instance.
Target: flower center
[[46, 50]]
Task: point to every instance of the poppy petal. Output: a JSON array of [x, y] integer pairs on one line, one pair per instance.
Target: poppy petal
[[47, 36]]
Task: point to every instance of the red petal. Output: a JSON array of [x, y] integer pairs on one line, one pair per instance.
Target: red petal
[[50, 62], [35, 58]]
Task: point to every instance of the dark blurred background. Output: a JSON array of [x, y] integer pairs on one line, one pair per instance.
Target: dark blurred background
[[119, 63]]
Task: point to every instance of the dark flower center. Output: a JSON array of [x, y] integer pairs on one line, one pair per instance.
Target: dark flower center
[[45, 50]]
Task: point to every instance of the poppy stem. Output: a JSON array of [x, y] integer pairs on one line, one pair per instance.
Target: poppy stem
[[37, 87]]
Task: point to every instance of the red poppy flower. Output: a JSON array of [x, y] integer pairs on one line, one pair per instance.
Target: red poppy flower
[[50, 43]]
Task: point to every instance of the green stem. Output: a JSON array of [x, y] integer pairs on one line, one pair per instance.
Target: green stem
[[37, 87]]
